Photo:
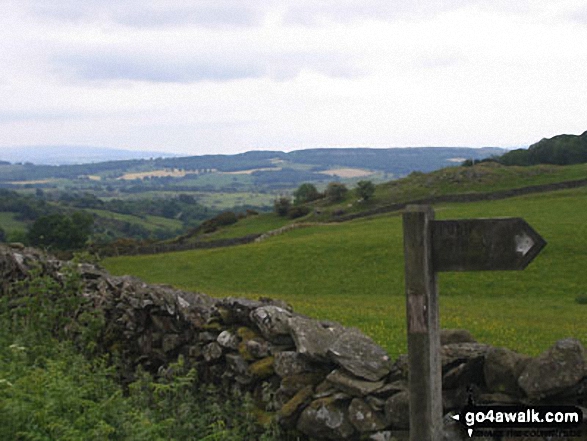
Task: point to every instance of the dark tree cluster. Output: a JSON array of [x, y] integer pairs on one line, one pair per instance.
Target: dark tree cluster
[[559, 150], [61, 231]]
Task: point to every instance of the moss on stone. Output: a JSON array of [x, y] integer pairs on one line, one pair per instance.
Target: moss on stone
[[246, 334], [212, 326], [299, 381], [225, 315], [262, 417], [244, 352], [301, 398], [263, 368]]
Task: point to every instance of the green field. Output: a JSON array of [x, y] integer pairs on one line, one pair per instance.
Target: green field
[[250, 225], [482, 178], [149, 222], [226, 201], [353, 273], [10, 224]]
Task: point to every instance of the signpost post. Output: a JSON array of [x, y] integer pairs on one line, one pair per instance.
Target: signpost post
[[432, 246]]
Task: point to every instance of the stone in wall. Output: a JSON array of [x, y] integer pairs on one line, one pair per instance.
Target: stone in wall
[[560, 367], [326, 418], [502, 370], [359, 355]]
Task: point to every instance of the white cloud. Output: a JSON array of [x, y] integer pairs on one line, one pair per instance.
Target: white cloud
[[211, 76]]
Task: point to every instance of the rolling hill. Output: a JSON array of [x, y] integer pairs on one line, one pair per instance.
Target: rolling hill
[[352, 272]]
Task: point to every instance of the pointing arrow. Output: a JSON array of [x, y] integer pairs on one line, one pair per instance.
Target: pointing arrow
[[524, 243], [484, 244]]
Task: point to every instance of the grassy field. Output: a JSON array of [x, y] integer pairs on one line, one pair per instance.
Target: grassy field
[[353, 273], [10, 224], [225, 201], [250, 225], [149, 222], [215, 200], [482, 178]]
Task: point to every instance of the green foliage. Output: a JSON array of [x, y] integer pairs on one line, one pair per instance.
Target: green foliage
[[335, 191], [49, 390], [225, 218], [306, 193], [298, 211], [25, 207], [365, 190], [281, 206], [61, 232], [52, 392], [221, 220], [560, 150]]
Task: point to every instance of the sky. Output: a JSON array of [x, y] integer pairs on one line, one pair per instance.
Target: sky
[[227, 76]]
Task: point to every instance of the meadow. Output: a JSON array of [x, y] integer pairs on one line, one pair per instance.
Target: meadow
[[149, 222], [353, 273], [10, 224]]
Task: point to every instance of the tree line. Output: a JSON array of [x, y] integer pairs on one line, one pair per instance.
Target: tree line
[[558, 150], [307, 192]]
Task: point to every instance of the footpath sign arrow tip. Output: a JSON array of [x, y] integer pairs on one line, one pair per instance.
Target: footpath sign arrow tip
[[484, 244]]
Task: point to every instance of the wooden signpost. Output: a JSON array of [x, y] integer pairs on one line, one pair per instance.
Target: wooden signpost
[[454, 245]]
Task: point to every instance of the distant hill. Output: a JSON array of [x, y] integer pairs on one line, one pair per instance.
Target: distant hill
[[559, 150], [62, 155], [398, 160], [254, 169]]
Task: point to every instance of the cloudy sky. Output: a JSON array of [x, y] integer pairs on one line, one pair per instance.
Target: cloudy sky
[[226, 76]]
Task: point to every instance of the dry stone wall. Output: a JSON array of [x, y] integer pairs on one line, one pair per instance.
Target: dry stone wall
[[317, 377]]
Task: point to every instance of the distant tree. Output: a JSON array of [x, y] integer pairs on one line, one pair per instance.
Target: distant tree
[[2, 235], [335, 191], [186, 199], [170, 208], [225, 218], [281, 206], [365, 189], [134, 230], [306, 193], [60, 231]]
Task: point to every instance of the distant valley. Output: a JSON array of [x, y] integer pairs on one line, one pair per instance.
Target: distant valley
[[162, 199]]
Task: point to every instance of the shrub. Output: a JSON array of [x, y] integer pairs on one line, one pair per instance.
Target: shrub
[[335, 191], [281, 206], [298, 211], [223, 219], [61, 232], [365, 189], [306, 193]]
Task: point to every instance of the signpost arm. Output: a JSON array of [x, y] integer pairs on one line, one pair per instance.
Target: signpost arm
[[425, 381]]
